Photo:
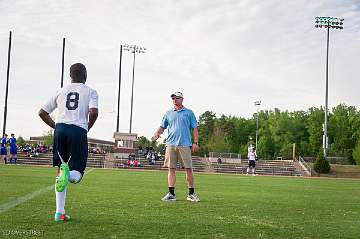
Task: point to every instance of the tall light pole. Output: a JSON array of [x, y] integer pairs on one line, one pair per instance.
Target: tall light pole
[[62, 63], [118, 108], [126, 48], [257, 105], [334, 23], [7, 84], [134, 49]]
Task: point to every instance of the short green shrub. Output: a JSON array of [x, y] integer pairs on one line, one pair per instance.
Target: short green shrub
[[321, 165], [356, 153]]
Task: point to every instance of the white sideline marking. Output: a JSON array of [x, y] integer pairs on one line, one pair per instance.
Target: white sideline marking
[[90, 170], [20, 200]]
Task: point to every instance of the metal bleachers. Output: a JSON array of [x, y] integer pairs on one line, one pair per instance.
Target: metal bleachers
[[94, 160], [263, 167]]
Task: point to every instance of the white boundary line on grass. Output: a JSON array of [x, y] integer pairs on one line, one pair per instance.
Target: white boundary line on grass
[[20, 200]]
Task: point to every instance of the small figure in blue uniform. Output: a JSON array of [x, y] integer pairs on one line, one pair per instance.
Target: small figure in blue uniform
[[13, 149], [3, 150]]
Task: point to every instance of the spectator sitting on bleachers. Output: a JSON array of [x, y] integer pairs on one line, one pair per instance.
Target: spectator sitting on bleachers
[[33, 153], [94, 150], [131, 159], [33, 150], [148, 157]]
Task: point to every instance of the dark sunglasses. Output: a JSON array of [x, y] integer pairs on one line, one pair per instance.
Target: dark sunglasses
[[173, 98]]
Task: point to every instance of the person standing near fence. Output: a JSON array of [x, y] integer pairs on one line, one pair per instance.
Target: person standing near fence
[[179, 121], [252, 161]]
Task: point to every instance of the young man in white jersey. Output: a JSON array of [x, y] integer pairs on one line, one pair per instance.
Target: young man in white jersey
[[252, 161], [77, 106]]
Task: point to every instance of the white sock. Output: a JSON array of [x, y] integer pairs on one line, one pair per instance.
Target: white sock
[[60, 201], [75, 176], [247, 170], [253, 170]]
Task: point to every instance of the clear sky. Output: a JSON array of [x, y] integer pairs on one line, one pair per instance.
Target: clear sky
[[223, 55]]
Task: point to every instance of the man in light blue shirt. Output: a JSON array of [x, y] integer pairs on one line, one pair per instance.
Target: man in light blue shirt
[[179, 121]]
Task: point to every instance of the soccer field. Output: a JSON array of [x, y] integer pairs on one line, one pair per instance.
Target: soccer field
[[126, 204]]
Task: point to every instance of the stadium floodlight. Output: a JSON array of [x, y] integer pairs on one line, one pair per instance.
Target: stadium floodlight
[[134, 49], [257, 105], [329, 23]]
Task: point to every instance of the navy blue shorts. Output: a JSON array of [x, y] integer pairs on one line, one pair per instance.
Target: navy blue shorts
[[252, 163], [70, 140], [13, 150], [3, 151]]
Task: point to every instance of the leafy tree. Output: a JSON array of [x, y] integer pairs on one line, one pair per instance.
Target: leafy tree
[[226, 126], [265, 148], [206, 129], [20, 141], [48, 138], [298, 127], [356, 153], [206, 125], [218, 142], [314, 129], [143, 142], [340, 130]]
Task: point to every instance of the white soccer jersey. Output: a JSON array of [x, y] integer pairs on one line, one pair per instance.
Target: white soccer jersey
[[73, 103], [252, 156]]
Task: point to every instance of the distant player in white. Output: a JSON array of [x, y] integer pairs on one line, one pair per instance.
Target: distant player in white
[[252, 161], [77, 106]]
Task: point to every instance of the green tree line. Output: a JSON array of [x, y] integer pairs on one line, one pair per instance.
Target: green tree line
[[278, 130]]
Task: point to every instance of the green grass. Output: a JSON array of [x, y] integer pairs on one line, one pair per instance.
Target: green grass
[[126, 204]]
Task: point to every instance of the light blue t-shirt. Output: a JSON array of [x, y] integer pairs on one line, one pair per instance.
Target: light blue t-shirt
[[179, 123]]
